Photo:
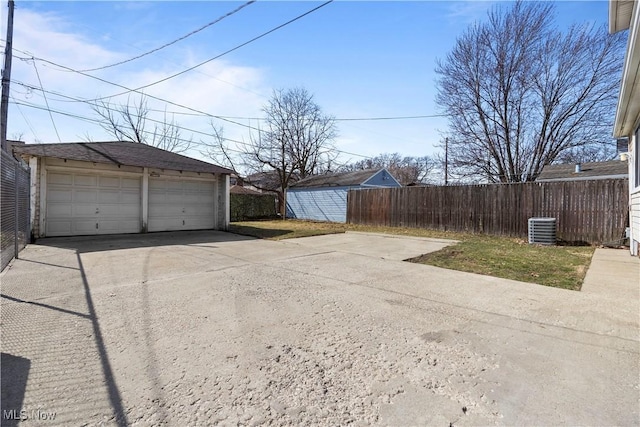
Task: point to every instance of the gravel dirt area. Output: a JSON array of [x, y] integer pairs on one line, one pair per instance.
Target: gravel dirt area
[[212, 328]]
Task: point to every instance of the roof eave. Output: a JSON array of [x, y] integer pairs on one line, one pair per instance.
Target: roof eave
[[628, 108], [619, 15]]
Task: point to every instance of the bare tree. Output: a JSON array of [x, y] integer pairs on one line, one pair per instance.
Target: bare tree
[[520, 92], [131, 122], [407, 170], [218, 149], [297, 140]]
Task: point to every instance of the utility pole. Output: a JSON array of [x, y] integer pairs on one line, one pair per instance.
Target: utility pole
[[446, 161], [6, 79]]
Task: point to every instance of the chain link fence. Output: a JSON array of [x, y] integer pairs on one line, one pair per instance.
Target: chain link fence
[[15, 230]]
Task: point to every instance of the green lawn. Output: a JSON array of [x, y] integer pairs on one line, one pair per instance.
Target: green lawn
[[505, 257]]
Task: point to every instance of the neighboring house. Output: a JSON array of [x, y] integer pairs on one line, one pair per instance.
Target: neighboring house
[[121, 187], [625, 15], [614, 169], [238, 189], [324, 197], [263, 181]]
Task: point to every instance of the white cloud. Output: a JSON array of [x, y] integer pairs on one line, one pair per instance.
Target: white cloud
[[220, 87], [468, 12]]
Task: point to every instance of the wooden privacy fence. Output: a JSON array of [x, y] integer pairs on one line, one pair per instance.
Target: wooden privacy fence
[[593, 211]]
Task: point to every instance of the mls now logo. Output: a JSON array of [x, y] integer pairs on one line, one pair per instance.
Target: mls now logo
[[23, 415], [14, 414]]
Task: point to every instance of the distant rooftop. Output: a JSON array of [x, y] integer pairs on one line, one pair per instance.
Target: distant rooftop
[[337, 179], [594, 170]]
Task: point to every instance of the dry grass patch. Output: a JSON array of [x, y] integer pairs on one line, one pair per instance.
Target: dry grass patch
[[504, 257]]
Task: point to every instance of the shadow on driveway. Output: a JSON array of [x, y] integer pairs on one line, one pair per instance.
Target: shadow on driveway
[[83, 244], [15, 371]]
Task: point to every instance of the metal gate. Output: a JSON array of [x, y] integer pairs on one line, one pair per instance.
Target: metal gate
[[15, 230]]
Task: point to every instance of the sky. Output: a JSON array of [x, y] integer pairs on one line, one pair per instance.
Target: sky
[[359, 59]]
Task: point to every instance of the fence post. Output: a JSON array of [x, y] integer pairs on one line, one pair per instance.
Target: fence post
[[17, 199]]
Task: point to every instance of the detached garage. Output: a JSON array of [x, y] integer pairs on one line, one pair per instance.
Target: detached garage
[[324, 197], [122, 187]]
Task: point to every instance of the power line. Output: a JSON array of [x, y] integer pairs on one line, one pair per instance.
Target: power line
[[220, 55], [391, 118], [100, 122], [35, 67], [134, 90], [174, 41], [26, 120], [138, 90]]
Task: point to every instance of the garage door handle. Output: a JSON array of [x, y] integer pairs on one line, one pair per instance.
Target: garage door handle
[[97, 210]]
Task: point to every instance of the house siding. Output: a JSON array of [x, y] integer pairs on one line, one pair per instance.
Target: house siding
[[381, 179], [318, 204], [634, 193]]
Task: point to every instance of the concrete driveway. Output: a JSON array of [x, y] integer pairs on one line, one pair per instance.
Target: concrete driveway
[[209, 327]]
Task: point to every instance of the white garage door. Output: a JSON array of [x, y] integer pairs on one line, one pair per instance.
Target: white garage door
[[84, 204], [178, 204]]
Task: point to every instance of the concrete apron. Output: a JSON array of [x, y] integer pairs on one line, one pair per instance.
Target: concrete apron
[[199, 328]]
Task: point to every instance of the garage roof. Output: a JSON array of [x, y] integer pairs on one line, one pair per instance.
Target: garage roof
[[120, 153]]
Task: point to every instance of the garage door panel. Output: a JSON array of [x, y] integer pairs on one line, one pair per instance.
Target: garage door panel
[[59, 195], [85, 210], [83, 204], [82, 226], [109, 196], [119, 226], [109, 181], [85, 180], [176, 204], [165, 211], [85, 196], [191, 198], [197, 223], [200, 210], [59, 228], [130, 183], [59, 209], [60, 178], [174, 185], [130, 198]]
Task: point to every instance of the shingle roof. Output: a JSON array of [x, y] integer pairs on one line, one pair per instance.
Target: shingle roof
[[593, 170], [236, 189], [336, 179], [120, 153]]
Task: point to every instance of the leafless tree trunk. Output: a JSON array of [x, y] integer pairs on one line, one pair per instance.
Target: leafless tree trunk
[[131, 122], [520, 93], [295, 141]]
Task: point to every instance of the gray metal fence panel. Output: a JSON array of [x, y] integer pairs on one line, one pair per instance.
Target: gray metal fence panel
[[15, 229]]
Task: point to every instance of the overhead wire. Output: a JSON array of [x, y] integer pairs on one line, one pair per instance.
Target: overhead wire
[[98, 121], [53, 122], [26, 120], [138, 89], [236, 10]]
